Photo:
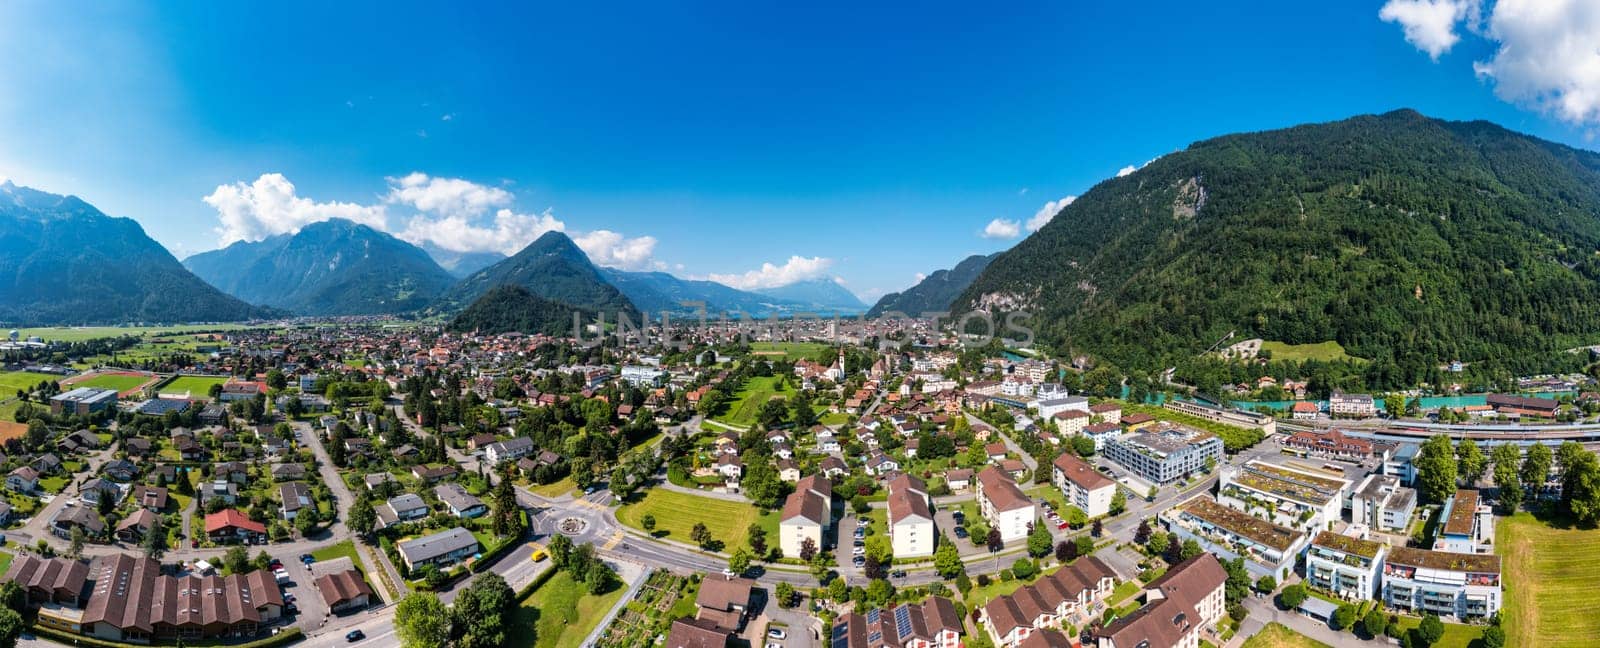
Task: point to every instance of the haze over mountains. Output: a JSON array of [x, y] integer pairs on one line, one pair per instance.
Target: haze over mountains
[[935, 292]]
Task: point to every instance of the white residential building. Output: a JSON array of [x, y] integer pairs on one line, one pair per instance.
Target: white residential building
[[1348, 567], [1083, 486], [807, 514], [1290, 497], [1003, 504], [911, 529]]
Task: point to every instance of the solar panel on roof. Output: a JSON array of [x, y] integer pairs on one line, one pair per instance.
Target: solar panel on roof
[[872, 615], [902, 621]]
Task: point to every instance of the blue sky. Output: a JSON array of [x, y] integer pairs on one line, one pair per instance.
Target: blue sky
[[864, 141]]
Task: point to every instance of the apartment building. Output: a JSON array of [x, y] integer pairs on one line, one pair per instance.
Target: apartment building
[[1176, 608], [1073, 595], [1381, 503], [1163, 453], [911, 529], [1352, 405], [1268, 548], [1466, 522], [1003, 504], [1102, 432], [1083, 486], [1290, 497], [1348, 567], [1448, 584], [83, 401], [807, 515]]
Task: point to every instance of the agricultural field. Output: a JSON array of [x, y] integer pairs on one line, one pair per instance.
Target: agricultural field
[[747, 402], [676, 514], [1324, 351], [662, 598], [787, 350], [560, 613], [1549, 582], [120, 382], [11, 381], [81, 333], [1277, 635], [196, 386]]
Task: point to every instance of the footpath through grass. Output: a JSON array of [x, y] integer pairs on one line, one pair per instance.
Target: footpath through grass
[[1277, 635], [676, 514], [560, 614], [1549, 580]]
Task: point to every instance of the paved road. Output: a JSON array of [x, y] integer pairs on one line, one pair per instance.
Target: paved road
[[1027, 459]]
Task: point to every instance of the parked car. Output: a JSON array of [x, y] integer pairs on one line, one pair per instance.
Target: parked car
[[858, 551], [961, 532], [777, 633]]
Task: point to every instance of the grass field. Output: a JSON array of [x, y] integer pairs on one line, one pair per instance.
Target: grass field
[[11, 381], [748, 400], [787, 350], [81, 333], [556, 488], [1457, 635], [560, 614], [676, 514], [1277, 635], [1549, 584], [197, 386], [344, 549], [5, 560], [119, 382], [1325, 351]]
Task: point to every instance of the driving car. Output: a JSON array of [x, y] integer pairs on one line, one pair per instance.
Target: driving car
[[355, 635]]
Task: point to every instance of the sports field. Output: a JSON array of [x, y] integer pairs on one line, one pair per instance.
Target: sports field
[[1549, 582], [676, 514], [748, 400], [197, 386], [119, 381], [11, 381]]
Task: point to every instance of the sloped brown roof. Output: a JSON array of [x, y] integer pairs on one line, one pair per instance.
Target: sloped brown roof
[[1001, 490], [693, 633], [1079, 472], [342, 587], [723, 593]]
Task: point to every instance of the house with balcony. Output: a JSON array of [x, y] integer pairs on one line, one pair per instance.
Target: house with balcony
[[1349, 568], [1003, 504], [1467, 524], [912, 533], [1268, 549], [1163, 453], [1463, 586], [1292, 498], [1082, 485], [1073, 595], [1381, 503]]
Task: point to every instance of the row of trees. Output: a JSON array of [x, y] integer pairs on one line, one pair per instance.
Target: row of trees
[[1442, 466], [480, 618]]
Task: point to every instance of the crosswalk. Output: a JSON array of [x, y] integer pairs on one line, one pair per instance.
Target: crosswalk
[[613, 541]]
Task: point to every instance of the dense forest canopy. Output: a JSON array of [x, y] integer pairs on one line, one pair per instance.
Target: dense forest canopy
[[1411, 241]]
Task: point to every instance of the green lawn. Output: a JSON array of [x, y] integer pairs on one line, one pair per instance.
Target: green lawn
[[833, 418], [114, 381], [1548, 581], [345, 549], [197, 386], [560, 614], [555, 488], [1457, 635], [11, 381], [1324, 351], [748, 400], [676, 514], [81, 333], [53, 484], [5, 560], [787, 350], [1277, 635]]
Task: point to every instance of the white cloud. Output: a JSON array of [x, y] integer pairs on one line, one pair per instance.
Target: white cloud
[[920, 277], [1127, 170], [445, 196], [1001, 228], [269, 206], [798, 268], [1430, 25], [1548, 57], [508, 233], [1047, 212], [614, 250]]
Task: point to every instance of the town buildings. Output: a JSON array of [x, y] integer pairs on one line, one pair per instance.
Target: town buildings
[[1290, 497], [1381, 503], [1176, 608], [1161, 454], [933, 623], [1083, 486], [1341, 404], [1003, 504], [83, 401], [1348, 567], [1443, 583], [1072, 595], [1467, 524], [911, 528], [1268, 548], [440, 549], [807, 515]]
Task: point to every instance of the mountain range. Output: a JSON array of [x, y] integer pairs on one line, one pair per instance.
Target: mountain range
[[1411, 241], [333, 267], [935, 292], [64, 262], [818, 295], [654, 292]]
